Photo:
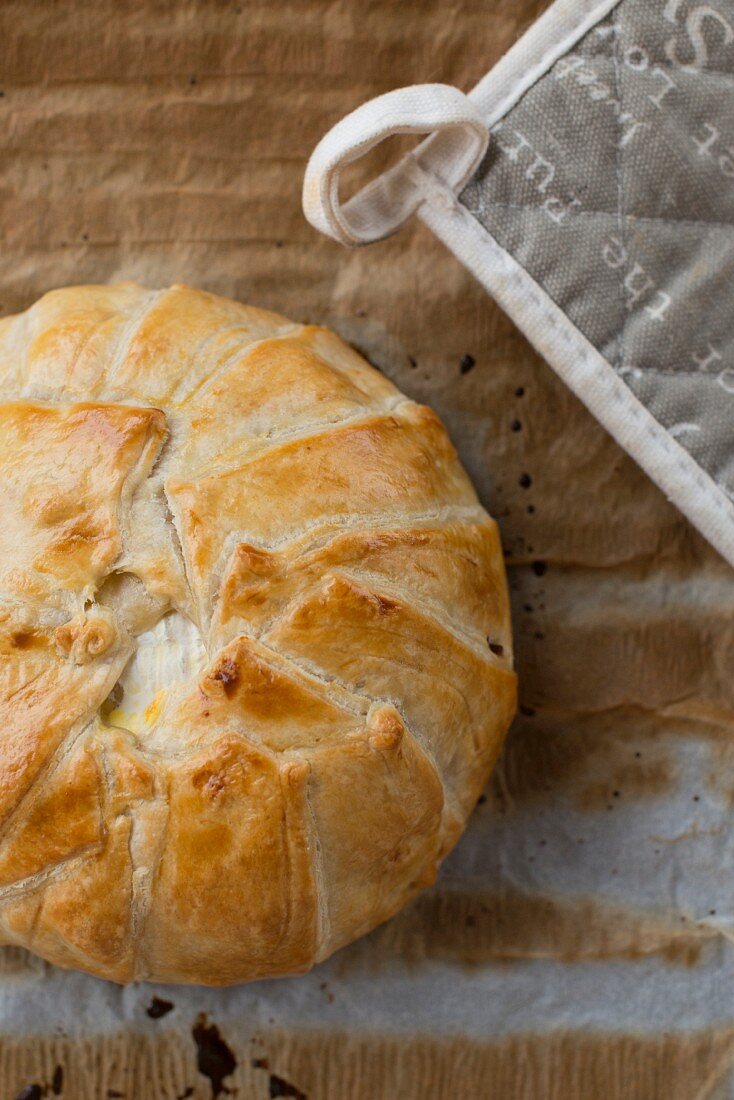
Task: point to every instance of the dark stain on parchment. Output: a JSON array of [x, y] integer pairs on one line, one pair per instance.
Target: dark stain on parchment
[[214, 1058]]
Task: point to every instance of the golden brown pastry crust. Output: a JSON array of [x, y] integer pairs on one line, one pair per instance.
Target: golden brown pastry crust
[[168, 450]]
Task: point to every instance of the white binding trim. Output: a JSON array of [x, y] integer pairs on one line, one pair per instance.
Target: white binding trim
[[551, 37]]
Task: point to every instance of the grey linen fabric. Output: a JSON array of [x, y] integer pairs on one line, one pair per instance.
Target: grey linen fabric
[[612, 182]]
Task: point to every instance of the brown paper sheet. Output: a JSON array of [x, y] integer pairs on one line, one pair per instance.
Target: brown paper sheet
[[166, 141]]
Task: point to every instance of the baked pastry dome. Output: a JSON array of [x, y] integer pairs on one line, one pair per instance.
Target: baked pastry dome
[[255, 652]]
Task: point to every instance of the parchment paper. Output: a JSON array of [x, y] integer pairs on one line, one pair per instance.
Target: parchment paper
[[577, 942]]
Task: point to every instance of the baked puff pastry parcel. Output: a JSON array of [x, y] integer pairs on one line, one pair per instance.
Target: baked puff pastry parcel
[[255, 651]]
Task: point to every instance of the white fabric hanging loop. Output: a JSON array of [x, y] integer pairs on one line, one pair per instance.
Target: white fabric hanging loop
[[459, 141]]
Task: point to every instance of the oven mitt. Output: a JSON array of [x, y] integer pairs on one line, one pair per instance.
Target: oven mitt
[[588, 183]]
